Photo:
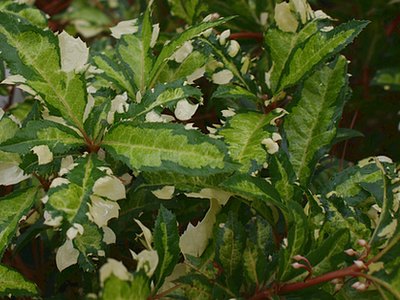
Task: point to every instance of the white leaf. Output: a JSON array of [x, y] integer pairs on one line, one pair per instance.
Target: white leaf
[[284, 18], [222, 77], [43, 153], [146, 260], [196, 238], [271, 145], [221, 196], [183, 52], [113, 267], [109, 187], [119, 104], [146, 233], [109, 236], [124, 27], [58, 182], [50, 221], [102, 210], [73, 51], [185, 110], [14, 79], [11, 174], [198, 73], [233, 48], [66, 255], [180, 270], [154, 35], [164, 193], [223, 37], [153, 117]]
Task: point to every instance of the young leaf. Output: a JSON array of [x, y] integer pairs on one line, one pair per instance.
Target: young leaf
[[59, 138], [230, 242], [168, 147], [115, 74], [166, 242], [311, 126], [296, 240], [134, 50], [169, 49], [187, 10], [35, 55], [163, 95], [13, 283], [115, 288], [244, 134], [12, 208], [317, 49]]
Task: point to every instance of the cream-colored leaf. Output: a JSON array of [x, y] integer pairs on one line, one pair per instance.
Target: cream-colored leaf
[[183, 52], [66, 255], [221, 196], [67, 164], [109, 187], [271, 145], [284, 18], [58, 182], [154, 35], [14, 79], [43, 153], [165, 193], [102, 210], [389, 230], [233, 48], [224, 36], [198, 73], [73, 51], [180, 270], [196, 238], [222, 77], [109, 236], [148, 237], [113, 267], [303, 9], [50, 221], [124, 27], [185, 110], [11, 174], [147, 260], [120, 105]]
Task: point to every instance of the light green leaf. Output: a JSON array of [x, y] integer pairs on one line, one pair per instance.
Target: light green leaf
[[163, 95], [57, 137], [166, 242], [230, 242], [253, 189], [12, 208], [135, 53], [117, 289], [311, 126], [281, 44], [187, 10], [169, 49], [114, 73], [168, 147], [8, 128], [13, 283], [243, 134], [35, 55], [388, 78], [234, 92], [296, 240], [317, 49]]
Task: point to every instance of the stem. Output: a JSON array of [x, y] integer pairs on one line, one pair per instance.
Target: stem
[[247, 35], [165, 293]]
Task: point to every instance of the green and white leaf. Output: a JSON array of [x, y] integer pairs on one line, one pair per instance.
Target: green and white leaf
[[311, 126], [188, 10], [166, 242], [35, 55], [12, 208], [13, 283], [166, 147], [174, 45], [296, 240], [244, 134], [59, 138]]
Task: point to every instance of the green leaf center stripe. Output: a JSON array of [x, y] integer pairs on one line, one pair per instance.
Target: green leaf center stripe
[[156, 145], [48, 79]]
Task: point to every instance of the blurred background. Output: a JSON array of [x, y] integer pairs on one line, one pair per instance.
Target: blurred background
[[373, 109]]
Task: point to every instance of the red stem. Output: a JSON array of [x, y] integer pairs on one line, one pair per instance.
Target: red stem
[[247, 35]]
